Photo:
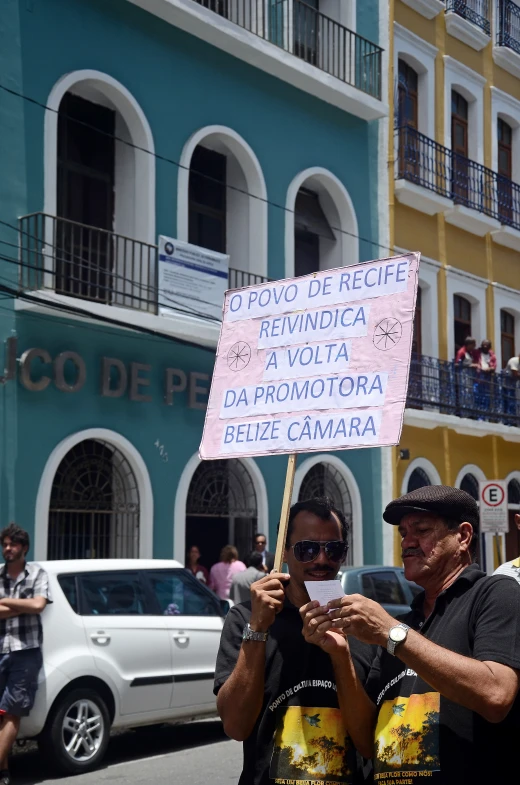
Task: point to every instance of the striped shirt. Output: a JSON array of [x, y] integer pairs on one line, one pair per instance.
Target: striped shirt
[[511, 568], [23, 631]]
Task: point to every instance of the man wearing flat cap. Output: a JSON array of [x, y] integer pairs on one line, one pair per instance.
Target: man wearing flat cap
[[442, 698]]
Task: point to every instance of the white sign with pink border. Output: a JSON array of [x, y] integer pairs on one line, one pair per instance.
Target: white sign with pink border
[[314, 363]]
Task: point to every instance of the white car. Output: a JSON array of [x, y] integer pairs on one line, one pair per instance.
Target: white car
[[127, 642]]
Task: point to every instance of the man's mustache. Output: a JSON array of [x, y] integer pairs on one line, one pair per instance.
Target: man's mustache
[[412, 552]]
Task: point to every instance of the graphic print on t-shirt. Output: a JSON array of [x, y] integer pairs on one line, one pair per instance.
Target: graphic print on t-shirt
[[311, 745], [407, 738]]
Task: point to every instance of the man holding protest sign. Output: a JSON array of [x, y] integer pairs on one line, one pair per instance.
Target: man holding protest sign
[[276, 692], [315, 363], [442, 697]]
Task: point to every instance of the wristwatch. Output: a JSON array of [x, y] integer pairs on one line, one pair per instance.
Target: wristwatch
[[251, 635], [396, 635]]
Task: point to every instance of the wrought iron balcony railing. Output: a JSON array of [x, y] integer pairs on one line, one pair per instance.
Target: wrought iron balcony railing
[[442, 386], [423, 161], [310, 35], [475, 11], [95, 264], [508, 25]]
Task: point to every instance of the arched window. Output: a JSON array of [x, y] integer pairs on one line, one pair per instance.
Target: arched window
[[313, 235], [469, 483], [222, 201], [323, 479], [221, 508], [321, 230], [418, 479], [99, 193], [94, 507]]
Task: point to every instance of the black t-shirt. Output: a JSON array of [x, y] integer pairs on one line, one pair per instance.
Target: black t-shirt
[[422, 734], [299, 736]]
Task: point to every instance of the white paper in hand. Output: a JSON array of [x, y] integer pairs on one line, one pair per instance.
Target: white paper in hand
[[324, 591]]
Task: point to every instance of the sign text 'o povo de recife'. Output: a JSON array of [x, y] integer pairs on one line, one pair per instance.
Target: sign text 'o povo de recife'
[[314, 363]]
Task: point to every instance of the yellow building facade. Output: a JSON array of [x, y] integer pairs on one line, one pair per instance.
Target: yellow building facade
[[454, 182]]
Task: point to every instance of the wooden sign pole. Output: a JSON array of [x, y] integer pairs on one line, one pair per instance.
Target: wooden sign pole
[[284, 516]]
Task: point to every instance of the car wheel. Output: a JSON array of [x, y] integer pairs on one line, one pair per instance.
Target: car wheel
[[75, 737]]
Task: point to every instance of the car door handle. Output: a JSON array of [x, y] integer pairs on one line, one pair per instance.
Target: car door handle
[[101, 638], [181, 638]]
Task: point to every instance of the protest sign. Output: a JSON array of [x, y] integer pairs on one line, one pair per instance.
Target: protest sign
[[314, 363]]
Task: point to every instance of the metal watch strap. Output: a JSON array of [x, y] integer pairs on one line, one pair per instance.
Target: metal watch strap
[[390, 644], [251, 635]]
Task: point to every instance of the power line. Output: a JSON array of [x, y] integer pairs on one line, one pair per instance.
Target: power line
[[134, 297], [177, 164], [76, 311]]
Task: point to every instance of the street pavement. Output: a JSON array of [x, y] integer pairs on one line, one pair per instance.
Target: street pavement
[[194, 754]]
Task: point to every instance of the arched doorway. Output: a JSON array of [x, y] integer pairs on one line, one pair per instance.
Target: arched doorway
[[469, 483], [94, 508], [324, 479], [418, 479], [221, 508]]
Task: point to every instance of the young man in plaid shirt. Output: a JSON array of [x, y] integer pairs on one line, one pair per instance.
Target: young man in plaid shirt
[[24, 594]]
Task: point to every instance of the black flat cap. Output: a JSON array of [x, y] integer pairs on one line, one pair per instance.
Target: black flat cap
[[440, 499]]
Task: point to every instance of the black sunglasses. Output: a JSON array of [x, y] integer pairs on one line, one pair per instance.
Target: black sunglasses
[[309, 550]]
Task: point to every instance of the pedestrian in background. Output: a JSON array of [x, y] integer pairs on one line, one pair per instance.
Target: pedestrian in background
[[511, 568], [267, 556], [442, 693], [24, 594], [192, 563], [241, 584], [221, 574]]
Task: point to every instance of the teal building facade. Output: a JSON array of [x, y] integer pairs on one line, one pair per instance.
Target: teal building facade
[[238, 126]]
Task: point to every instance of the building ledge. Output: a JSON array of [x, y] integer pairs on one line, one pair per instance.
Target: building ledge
[[466, 31], [427, 8], [235, 40], [418, 418], [507, 236], [507, 59], [471, 221], [173, 325], [421, 198]]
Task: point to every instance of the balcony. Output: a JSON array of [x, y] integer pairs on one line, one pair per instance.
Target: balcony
[[96, 265], [471, 195], [309, 35], [441, 386], [469, 20], [506, 51]]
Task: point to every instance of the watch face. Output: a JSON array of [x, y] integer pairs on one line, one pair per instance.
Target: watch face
[[397, 634]]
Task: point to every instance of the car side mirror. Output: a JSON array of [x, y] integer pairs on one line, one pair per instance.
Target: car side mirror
[[224, 607]]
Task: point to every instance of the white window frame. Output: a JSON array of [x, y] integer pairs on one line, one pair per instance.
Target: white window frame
[[473, 288], [181, 499], [135, 200], [505, 107], [246, 216], [427, 467], [508, 300], [356, 541], [420, 55], [428, 274], [339, 210], [470, 85]]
